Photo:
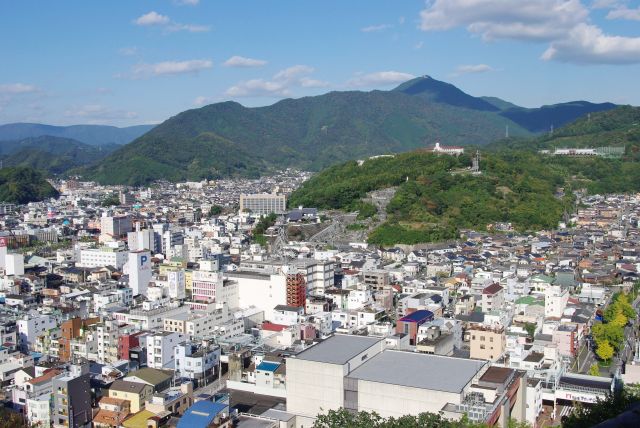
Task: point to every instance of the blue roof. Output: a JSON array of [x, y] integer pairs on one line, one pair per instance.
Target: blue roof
[[267, 366], [418, 316], [201, 414]]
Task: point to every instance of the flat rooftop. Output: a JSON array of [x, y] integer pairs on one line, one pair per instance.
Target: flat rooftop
[[425, 371], [338, 349]]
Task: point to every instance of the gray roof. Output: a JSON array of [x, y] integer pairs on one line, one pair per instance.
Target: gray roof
[[425, 371], [338, 349]]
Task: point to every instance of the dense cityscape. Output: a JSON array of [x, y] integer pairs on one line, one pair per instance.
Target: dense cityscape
[[321, 214]]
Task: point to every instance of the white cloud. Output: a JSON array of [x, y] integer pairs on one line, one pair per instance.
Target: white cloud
[[541, 20], [588, 44], [380, 78], [187, 2], [292, 73], [241, 61], [155, 19], [17, 88], [201, 100], [418, 45], [128, 51], [307, 82], [401, 20], [97, 113], [152, 18], [625, 13], [191, 28], [168, 68], [280, 85], [606, 4], [374, 28], [472, 69]]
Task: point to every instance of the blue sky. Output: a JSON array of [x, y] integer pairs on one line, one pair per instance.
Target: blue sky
[[134, 61]]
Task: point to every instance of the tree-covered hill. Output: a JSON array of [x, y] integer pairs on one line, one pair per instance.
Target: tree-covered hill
[[21, 185], [437, 196], [52, 155]]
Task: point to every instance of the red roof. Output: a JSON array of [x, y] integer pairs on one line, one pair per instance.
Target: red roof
[[269, 326], [492, 289]]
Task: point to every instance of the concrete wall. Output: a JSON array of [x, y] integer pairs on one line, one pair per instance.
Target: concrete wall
[[395, 400], [313, 387]]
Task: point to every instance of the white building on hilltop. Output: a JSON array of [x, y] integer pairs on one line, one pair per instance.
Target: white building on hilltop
[[446, 150]]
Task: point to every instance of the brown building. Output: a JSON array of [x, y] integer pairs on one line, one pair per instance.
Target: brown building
[[296, 290], [71, 329]]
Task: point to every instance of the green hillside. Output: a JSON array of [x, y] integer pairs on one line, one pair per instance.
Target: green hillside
[[433, 203], [52, 155], [617, 127], [22, 185]]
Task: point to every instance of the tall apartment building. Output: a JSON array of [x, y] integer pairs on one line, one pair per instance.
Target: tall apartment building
[[263, 203], [71, 398], [296, 290]]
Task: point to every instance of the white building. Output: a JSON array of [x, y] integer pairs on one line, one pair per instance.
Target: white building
[[32, 326], [263, 203], [555, 300], [105, 256], [160, 349], [139, 270], [196, 362], [264, 291]]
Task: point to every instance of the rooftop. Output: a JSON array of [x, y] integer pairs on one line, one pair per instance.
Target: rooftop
[[434, 372], [338, 349]]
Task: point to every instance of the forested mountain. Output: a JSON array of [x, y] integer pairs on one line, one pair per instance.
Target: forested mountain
[[52, 155], [21, 185], [227, 139], [95, 135]]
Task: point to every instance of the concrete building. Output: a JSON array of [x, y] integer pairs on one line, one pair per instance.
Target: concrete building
[[160, 349], [71, 398], [492, 298], [139, 270], [355, 372], [99, 257], [263, 204], [116, 227], [486, 343], [555, 301]]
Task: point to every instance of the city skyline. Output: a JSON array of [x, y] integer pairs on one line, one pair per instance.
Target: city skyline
[[143, 62]]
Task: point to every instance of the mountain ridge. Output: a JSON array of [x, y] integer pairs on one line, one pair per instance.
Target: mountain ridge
[[89, 134], [310, 132]]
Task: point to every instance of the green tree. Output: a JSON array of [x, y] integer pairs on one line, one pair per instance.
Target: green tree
[[594, 370], [531, 329], [215, 210], [110, 200], [604, 350]]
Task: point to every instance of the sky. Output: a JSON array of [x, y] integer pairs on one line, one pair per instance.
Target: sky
[[128, 62]]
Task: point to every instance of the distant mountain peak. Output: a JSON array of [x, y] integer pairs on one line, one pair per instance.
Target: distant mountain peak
[[442, 92]]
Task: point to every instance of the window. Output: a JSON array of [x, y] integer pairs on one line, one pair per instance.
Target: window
[[482, 338], [491, 339], [481, 346]]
